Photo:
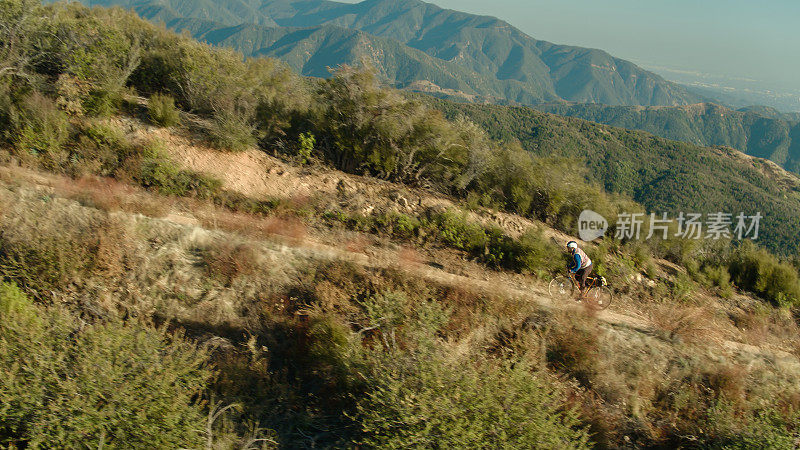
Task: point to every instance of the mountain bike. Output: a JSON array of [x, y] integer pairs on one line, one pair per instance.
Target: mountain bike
[[597, 295]]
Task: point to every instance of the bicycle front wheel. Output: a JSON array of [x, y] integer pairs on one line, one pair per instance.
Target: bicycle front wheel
[[562, 288], [599, 297]]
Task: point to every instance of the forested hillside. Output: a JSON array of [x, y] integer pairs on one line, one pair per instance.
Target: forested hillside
[[760, 132], [661, 174]]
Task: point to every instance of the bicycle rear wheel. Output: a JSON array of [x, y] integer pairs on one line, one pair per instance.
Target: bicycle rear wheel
[[562, 288], [599, 297]]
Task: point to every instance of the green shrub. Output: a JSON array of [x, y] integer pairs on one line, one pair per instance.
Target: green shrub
[[167, 178], [682, 287], [376, 130], [100, 47], [102, 103], [552, 190], [416, 393], [99, 149], [538, 255], [435, 403], [405, 226], [14, 303], [399, 225], [104, 134], [727, 427], [97, 385], [455, 230], [41, 260], [40, 129], [231, 131], [759, 271], [305, 145], [239, 202], [719, 277], [161, 110]]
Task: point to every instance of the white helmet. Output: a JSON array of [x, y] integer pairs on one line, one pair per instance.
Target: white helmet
[[572, 244]]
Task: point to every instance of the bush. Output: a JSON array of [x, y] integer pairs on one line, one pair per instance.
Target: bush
[[102, 103], [99, 149], [40, 129], [455, 230], [306, 142], [235, 201], [376, 130], [759, 271], [398, 225], [415, 394], [99, 385], [683, 286], [163, 176], [231, 131], [41, 259], [719, 277], [538, 255], [730, 428], [47, 250], [161, 110], [439, 404]]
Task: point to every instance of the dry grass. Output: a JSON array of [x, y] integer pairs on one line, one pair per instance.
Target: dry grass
[[110, 195], [728, 381], [228, 261], [113, 248], [573, 345], [687, 324], [762, 325], [290, 228], [754, 323]]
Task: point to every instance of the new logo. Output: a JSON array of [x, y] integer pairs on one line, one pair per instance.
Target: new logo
[[591, 225]]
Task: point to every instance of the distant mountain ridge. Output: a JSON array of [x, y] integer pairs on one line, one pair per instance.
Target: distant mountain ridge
[[757, 131], [467, 54]]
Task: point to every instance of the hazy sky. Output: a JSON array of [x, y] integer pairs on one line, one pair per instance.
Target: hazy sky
[[733, 38]]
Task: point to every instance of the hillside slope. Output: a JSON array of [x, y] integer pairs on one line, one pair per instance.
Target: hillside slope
[[201, 251], [756, 132], [663, 175], [183, 264]]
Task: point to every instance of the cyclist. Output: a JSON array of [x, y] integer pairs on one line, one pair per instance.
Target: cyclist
[[580, 264]]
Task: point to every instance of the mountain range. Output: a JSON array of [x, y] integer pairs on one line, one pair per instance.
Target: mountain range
[[758, 131], [418, 45]]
